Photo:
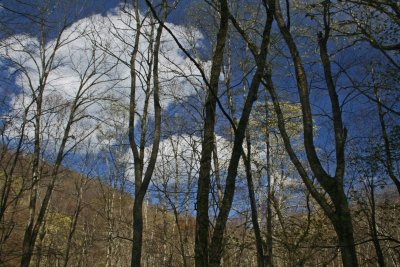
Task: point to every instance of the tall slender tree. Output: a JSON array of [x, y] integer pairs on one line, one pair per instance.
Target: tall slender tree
[[143, 177]]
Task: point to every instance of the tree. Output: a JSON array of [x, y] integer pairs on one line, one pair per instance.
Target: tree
[[202, 219], [338, 212], [374, 22], [385, 136], [54, 119], [142, 179]]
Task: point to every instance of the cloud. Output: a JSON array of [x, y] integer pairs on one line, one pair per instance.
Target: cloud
[[180, 155], [88, 60]]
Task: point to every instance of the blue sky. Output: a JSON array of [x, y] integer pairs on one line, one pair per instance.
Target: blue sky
[[284, 80]]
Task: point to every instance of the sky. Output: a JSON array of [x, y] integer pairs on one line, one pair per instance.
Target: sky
[[74, 62], [64, 81]]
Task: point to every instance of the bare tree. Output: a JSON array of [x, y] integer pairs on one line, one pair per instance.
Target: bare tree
[[53, 119], [338, 212], [143, 177]]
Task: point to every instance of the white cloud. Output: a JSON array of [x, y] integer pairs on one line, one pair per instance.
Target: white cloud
[[180, 154], [83, 51]]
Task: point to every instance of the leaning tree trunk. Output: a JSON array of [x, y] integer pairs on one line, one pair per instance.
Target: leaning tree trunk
[[339, 214]]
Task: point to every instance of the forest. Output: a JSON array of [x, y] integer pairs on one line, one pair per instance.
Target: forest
[[200, 133]]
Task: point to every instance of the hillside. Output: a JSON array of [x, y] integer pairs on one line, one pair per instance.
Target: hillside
[[90, 221]]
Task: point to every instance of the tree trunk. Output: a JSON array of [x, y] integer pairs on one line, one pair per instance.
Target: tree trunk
[[344, 231], [29, 236], [216, 247], [269, 244], [141, 186], [137, 233], [333, 185], [202, 219], [374, 231], [253, 206], [386, 142], [74, 222]]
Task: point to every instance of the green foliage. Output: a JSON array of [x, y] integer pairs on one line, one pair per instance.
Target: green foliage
[[264, 120]]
